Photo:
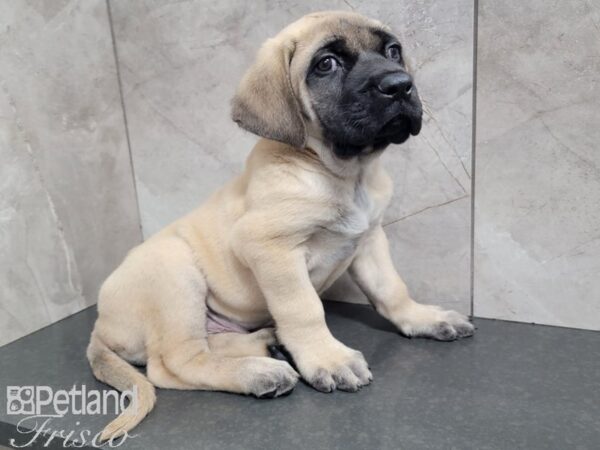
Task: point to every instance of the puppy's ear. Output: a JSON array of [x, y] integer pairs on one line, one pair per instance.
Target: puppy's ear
[[265, 103]]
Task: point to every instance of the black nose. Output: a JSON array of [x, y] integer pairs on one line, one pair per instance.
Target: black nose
[[397, 84]]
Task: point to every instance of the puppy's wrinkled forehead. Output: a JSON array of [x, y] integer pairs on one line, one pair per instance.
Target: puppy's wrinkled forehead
[[359, 33], [350, 31]]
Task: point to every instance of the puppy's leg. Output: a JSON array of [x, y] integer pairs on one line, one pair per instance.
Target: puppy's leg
[[162, 377], [181, 358], [280, 268], [238, 344], [177, 345], [194, 365], [374, 272], [268, 381]]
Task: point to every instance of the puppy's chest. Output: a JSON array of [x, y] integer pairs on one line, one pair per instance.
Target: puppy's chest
[[335, 243]]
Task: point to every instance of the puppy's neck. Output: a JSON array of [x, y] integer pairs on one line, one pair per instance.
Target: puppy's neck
[[343, 168]]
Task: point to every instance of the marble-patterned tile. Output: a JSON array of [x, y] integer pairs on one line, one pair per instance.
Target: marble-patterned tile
[[538, 163], [181, 61], [68, 211], [436, 270], [435, 167]]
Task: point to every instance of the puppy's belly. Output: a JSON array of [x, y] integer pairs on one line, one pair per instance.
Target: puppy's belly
[[247, 308]]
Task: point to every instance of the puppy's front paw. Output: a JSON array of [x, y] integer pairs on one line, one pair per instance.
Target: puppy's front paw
[[434, 322], [334, 366]]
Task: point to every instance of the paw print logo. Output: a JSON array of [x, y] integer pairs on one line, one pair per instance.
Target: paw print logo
[[20, 400]]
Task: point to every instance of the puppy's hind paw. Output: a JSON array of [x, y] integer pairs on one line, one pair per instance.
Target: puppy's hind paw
[[273, 379]]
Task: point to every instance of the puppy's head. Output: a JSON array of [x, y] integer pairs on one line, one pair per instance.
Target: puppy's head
[[336, 76]]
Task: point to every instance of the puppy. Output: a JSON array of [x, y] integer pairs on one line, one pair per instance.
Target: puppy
[[200, 302]]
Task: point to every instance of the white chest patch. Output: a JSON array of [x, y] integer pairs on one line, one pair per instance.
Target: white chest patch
[[331, 250], [355, 218]]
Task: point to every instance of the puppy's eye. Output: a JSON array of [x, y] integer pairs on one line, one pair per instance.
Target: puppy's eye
[[327, 65], [393, 52]]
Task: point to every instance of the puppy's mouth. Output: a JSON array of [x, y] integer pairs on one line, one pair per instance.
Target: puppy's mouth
[[400, 127]]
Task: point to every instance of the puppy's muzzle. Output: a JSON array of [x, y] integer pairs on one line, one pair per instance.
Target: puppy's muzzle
[[397, 88]]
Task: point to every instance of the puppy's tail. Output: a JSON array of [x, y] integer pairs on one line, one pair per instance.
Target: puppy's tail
[[109, 368]]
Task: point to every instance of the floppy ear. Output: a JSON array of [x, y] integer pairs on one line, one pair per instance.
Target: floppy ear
[[264, 103]]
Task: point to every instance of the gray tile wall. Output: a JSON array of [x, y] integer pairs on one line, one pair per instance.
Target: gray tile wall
[[537, 192], [180, 63], [67, 205], [68, 209]]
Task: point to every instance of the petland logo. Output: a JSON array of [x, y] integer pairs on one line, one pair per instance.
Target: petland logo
[[42, 406]]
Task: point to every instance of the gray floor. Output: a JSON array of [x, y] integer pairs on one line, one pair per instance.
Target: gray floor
[[512, 386]]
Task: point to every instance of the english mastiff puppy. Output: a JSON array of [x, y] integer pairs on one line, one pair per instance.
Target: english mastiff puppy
[[200, 302]]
